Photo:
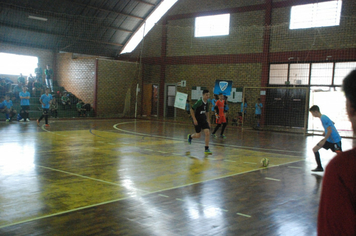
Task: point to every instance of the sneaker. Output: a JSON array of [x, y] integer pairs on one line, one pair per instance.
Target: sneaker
[[38, 123], [208, 152], [47, 125], [27, 119], [318, 169], [222, 136], [7, 120], [189, 139], [22, 120], [214, 135]]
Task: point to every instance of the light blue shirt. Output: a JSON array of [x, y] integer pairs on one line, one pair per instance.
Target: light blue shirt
[[213, 101], [258, 107], [46, 99], [8, 104], [24, 101], [326, 122]]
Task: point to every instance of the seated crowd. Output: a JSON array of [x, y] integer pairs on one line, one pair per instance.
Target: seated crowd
[[11, 94]]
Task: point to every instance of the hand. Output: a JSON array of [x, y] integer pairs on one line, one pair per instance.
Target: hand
[[195, 122]]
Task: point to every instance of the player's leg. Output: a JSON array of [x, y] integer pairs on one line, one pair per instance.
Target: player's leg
[[317, 157], [195, 135], [207, 136], [224, 123]]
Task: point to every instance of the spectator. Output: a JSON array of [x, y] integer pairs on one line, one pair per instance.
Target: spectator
[[16, 91], [39, 72], [81, 110], [65, 100], [10, 111], [21, 80], [54, 107], [49, 75], [2, 105], [37, 88], [25, 104], [3, 87], [30, 81]]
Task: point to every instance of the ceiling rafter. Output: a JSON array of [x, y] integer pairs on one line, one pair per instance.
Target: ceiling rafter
[[106, 10], [148, 3], [59, 35], [32, 11]]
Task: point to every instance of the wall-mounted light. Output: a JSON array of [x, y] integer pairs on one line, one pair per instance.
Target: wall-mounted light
[[37, 18]]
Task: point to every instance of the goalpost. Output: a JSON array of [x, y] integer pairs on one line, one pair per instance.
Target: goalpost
[[284, 108]]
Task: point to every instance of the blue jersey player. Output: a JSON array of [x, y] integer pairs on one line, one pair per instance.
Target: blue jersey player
[[331, 140]]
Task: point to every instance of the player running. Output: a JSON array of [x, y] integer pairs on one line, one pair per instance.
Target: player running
[[200, 116]]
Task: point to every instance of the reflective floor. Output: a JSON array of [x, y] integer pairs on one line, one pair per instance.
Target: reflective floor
[[140, 177]]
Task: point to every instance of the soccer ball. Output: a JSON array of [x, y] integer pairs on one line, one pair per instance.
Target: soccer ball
[[265, 162]]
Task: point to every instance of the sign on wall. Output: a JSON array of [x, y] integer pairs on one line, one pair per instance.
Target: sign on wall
[[223, 86], [181, 100]]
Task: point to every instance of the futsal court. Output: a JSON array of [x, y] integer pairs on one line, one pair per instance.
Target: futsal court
[[141, 177]]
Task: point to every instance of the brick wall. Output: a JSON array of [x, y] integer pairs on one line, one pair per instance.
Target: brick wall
[[77, 75], [115, 79]]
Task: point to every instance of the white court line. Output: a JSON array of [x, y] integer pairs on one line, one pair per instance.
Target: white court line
[[272, 179], [42, 127], [86, 177], [178, 199], [184, 140], [162, 152], [63, 212], [240, 214], [162, 195]]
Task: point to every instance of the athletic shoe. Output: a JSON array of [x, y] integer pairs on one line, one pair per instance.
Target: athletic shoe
[[22, 120], [47, 125], [7, 120], [222, 136], [189, 139], [208, 152], [27, 119], [318, 169], [38, 123], [214, 135]]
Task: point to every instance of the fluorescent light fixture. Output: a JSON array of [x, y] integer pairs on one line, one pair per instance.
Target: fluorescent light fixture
[[148, 25], [37, 18]]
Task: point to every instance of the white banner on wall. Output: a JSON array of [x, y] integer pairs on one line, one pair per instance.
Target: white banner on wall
[[181, 100]]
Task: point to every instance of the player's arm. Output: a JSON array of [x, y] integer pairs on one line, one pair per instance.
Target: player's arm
[[216, 110], [326, 136], [192, 114], [41, 101]]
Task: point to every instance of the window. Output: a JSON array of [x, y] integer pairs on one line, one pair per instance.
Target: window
[[315, 15], [321, 73], [217, 25], [341, 70], [12, 64], [278, 74], [299, 73]]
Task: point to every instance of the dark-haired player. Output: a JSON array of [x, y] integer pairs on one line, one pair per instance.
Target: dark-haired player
[[331, 140], [200, 113]]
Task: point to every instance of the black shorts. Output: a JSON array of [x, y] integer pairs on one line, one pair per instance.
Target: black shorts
[[335, 147], [25, 107], [201, 126], [258, 116]]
